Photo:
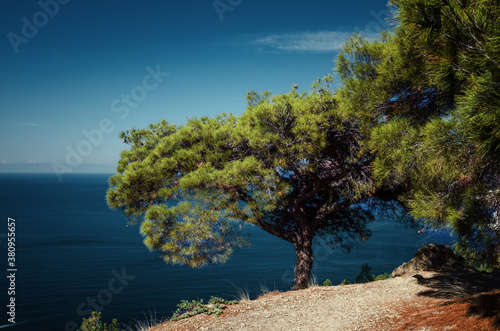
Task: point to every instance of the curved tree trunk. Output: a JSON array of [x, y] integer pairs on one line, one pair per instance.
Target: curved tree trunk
[[303, 266]]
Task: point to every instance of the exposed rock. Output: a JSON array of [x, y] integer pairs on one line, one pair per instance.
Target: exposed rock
[[431, 257]]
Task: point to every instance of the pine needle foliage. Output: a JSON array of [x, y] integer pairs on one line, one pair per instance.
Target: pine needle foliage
[[291, 164], [429, 94]]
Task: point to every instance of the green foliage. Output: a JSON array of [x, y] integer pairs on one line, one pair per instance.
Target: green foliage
[[429, 96], [345, 282], [327, 283], [215, 300], [186, 309], [383, 276], [291, 164], [365, 276], [94, 323]]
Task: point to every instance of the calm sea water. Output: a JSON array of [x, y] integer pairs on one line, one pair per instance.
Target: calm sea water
[[74, 255]]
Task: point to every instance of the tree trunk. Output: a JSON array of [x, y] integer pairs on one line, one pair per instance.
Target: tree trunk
[[303, 266]]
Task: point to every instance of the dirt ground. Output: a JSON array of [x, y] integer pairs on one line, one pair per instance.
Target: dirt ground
[[425, 301]]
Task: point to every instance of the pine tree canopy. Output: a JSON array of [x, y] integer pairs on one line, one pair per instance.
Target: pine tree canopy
[[430, 95], [290, 164]]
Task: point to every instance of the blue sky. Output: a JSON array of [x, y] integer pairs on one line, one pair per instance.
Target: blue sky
[[75, 73]]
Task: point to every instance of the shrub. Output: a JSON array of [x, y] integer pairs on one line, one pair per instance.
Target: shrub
[[327, 283], [216, 300], [383, 276], [94, 323], [345, 282], [187, 309], [364, 276]]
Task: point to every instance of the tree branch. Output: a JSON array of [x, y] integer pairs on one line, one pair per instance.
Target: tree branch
[[259, 221]]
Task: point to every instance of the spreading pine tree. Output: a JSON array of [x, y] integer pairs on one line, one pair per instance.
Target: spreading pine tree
[[291, 165]]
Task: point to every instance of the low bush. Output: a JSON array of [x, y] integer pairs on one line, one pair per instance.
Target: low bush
[[345, 282], [364, 276], [327, 283], [383, 276], [94, 323], [187, 309]]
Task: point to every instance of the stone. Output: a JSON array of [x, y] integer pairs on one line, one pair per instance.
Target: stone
[[431, 257]]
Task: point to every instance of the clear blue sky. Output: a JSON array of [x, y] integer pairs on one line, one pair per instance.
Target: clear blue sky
[[74, 66]]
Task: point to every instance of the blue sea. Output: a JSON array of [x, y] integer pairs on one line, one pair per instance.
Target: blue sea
[[74, 255]]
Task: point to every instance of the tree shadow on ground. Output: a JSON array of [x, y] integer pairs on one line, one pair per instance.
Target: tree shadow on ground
[[458, 283], [469, 287], [485, 306]]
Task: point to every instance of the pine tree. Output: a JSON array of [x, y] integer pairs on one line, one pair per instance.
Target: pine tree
[[291, 165], [430, 93]]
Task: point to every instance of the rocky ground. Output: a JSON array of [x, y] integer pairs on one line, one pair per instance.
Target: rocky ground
[[416, 299]]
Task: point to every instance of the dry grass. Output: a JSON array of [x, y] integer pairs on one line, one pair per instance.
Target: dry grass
[[314, 282], [149, 321], [477, 312], [242, 294]]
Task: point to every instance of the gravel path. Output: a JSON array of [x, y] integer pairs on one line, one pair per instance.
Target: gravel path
[[371, 306]]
